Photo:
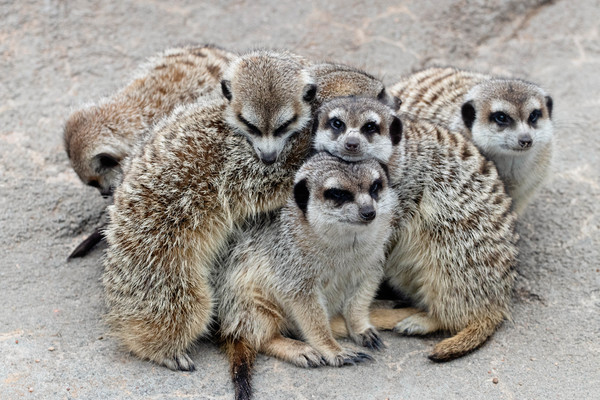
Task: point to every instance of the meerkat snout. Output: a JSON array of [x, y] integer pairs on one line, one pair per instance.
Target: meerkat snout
[[352, 143], [367, 213], [525, 141]]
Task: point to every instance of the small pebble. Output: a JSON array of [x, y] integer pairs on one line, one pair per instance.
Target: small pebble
[[37, 360], [495, 381], [68, 389], [51, 348], [30, 390], [17, 341]]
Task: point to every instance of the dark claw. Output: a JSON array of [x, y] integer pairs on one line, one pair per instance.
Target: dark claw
[[372, 340], [364, 357], [88, 244]]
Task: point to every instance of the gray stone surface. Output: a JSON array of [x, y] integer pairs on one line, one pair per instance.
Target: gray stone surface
[[55, 55]]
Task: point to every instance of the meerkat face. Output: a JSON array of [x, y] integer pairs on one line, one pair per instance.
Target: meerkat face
[[270, 99], [508, 116], [355, 129], [96, 144], [337, 198]]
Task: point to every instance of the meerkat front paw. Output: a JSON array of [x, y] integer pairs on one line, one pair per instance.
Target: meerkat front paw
[[181, 362], [418, 324], [370, 339], [347, 357]]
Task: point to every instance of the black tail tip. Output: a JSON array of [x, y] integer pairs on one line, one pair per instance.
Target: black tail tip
[[243, 388]]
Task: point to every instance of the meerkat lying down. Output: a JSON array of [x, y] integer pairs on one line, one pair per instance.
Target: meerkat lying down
[[100, 137], [452, 250], [509, 120]]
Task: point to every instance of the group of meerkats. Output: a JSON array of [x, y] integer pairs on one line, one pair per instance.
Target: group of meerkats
[[262, 198]]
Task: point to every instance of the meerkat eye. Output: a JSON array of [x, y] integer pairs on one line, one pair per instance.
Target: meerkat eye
[[338, 196], [253, 129], [534, 116], [337, 124], [370, 128], [94, 183], [375, 188], [500, 118], [282, 128]]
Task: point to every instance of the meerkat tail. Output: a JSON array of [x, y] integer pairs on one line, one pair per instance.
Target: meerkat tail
[[241, 360], [384, 319], [465, 341], [88, 243]]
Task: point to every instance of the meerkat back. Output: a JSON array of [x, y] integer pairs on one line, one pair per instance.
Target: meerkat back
[[453, 250], [100, 137], [509, 120]]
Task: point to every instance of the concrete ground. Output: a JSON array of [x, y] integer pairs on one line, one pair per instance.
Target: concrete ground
[[57, 54]]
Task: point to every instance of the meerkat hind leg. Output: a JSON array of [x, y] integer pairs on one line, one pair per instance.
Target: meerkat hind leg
[[418, 324], [294, 351], [181, 362], [382, 318]]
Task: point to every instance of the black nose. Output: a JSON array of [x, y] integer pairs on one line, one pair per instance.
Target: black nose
[[352, 144], [367, 213], [268, 158], [525, 141]]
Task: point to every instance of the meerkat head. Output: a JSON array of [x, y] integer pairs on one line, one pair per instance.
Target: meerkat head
[[270, 98], [97, 139], [507, 116], [357, 128], [335, 197], [338, 80]]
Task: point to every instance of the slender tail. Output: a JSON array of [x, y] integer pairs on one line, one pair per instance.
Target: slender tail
[[384, 319], [465, 341], [241, 361], [88, 243]]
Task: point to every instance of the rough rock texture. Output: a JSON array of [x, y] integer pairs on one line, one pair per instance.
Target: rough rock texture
[[56, 55]]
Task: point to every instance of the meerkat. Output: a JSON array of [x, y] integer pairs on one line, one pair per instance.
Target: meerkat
[[205, 169], [319, 256], [509, 120], [356, 129], [99, 137], [453, 247]]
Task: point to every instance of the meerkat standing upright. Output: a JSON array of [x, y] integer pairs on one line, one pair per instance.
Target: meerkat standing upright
[[509, 120], [453, 246], [99, 137], [204, 169], [319, 256]]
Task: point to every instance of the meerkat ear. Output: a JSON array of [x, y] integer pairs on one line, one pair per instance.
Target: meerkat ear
[[106, 161], [396, 130], [226, 88], [301, 195], [391, 101], [549, 104], [468, 114], [309, 93]]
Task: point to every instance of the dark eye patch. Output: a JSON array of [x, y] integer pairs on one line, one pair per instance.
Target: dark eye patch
[[500, 118], [370, 128], [337, 124], [282, 128], [534, 116], [249, 125], [375, 188], [94, 183], [338, 196]]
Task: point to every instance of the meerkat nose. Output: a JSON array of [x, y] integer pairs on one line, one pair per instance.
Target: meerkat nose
[[352, 144], [367, 213], [268, 158], [525, 141]]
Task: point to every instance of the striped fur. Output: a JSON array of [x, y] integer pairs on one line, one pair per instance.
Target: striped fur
[[469, 102]]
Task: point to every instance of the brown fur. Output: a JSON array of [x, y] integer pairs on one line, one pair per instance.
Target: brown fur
[[193, 181]]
